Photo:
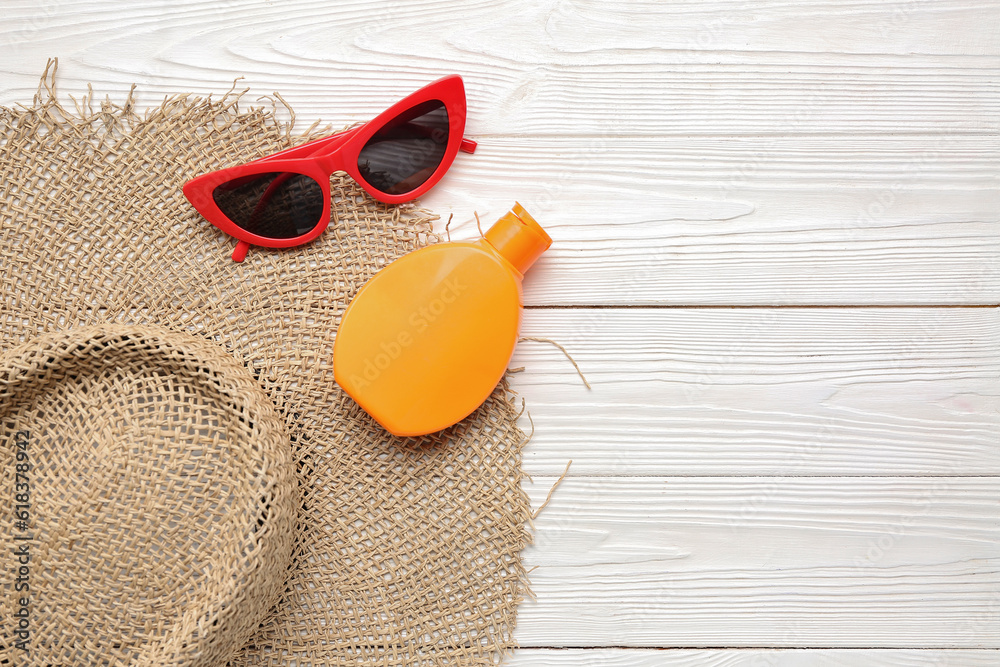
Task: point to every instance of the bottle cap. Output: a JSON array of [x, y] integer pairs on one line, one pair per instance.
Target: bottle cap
[[518, 238]]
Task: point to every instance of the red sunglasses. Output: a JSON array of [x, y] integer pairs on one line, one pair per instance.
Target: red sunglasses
[[283, 200]]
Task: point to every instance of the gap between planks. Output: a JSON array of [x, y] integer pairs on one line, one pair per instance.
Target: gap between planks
[[678, 306]]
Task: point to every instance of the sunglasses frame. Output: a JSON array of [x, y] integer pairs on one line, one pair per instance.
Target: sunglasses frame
[[320, 158]]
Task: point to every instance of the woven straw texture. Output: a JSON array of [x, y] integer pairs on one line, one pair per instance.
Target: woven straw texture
[[407, 550], [155, 498]]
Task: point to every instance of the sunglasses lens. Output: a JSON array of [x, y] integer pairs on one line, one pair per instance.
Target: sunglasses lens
[[404, 152], [275, 205]]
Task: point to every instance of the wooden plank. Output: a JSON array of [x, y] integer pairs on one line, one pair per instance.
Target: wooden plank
[[813, 391], [622, 158], [830, 66], [861, 562], [537, 657], [764, 221]]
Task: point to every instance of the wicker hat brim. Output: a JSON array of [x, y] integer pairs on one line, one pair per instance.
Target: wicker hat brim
[[157, 490]]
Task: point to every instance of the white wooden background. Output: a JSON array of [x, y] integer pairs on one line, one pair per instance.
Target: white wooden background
[[776, 258]]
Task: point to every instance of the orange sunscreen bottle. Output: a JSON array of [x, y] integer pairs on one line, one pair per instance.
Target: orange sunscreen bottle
[[426, 340]]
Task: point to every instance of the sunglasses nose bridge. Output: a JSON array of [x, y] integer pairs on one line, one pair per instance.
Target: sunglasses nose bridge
[[331, 163]]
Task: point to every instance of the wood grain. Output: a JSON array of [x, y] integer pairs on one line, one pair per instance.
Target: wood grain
[[547, 68], [763, 221], [787, 391], [764, 562], [527, 657]]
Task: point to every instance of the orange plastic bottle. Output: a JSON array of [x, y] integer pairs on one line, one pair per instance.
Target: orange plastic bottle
[[426, 340]]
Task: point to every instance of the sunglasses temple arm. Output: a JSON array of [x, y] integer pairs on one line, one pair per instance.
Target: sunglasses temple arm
[[310, 148], [240, 251], [328, 144]]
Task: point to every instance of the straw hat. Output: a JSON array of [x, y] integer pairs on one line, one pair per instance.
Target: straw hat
[[152, 498]]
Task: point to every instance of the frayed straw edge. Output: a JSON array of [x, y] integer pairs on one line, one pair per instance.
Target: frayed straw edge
[[524, 576], [522, 589], [538, 339], [123, 118], [555, 486]]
